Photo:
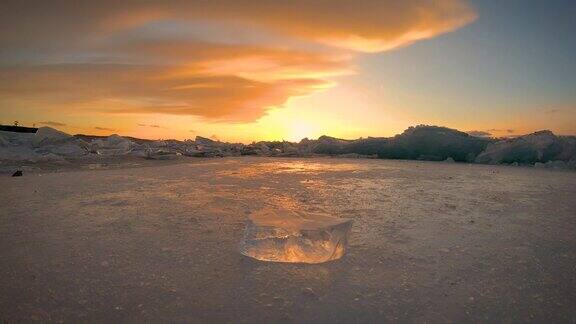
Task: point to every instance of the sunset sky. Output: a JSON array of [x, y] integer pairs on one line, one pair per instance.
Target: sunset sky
[[262, 69]]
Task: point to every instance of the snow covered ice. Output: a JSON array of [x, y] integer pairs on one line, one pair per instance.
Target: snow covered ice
[[289, 236]]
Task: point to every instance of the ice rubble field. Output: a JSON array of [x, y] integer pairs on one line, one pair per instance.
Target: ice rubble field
[[430, 241], [51, 145], [540, 149]]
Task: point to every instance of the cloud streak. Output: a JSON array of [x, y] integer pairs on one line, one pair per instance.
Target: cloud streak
[[51, 123], [494, 130], [104, 129], [552, 111]]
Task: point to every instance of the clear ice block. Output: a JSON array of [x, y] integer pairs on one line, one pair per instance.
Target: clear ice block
[[290, 236]]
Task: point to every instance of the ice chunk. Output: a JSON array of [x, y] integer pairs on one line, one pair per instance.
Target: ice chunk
[[112, 145], [158, 143], [71, 149], [289, 236], [48, 135], [4, 141], [18, 153]]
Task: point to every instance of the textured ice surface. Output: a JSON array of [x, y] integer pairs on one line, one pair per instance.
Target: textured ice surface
[[427, 238], [289, 236]]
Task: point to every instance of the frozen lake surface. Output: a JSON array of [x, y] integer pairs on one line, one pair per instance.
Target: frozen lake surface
[[433, 242]]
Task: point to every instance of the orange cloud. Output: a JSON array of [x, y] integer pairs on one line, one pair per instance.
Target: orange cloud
[[248, 61], [370, 25], [101, 55], [117, 88], [367, 26]]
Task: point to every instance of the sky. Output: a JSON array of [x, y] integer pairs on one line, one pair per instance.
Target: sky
[[243, 71]]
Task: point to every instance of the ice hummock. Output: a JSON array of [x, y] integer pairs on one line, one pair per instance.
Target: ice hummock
[[290, 236]]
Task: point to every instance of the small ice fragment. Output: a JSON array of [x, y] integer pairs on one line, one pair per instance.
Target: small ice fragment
[[290, 236]]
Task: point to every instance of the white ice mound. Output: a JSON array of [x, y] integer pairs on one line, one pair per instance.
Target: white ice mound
[[112, 145], [48, 135], [289, 236]]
